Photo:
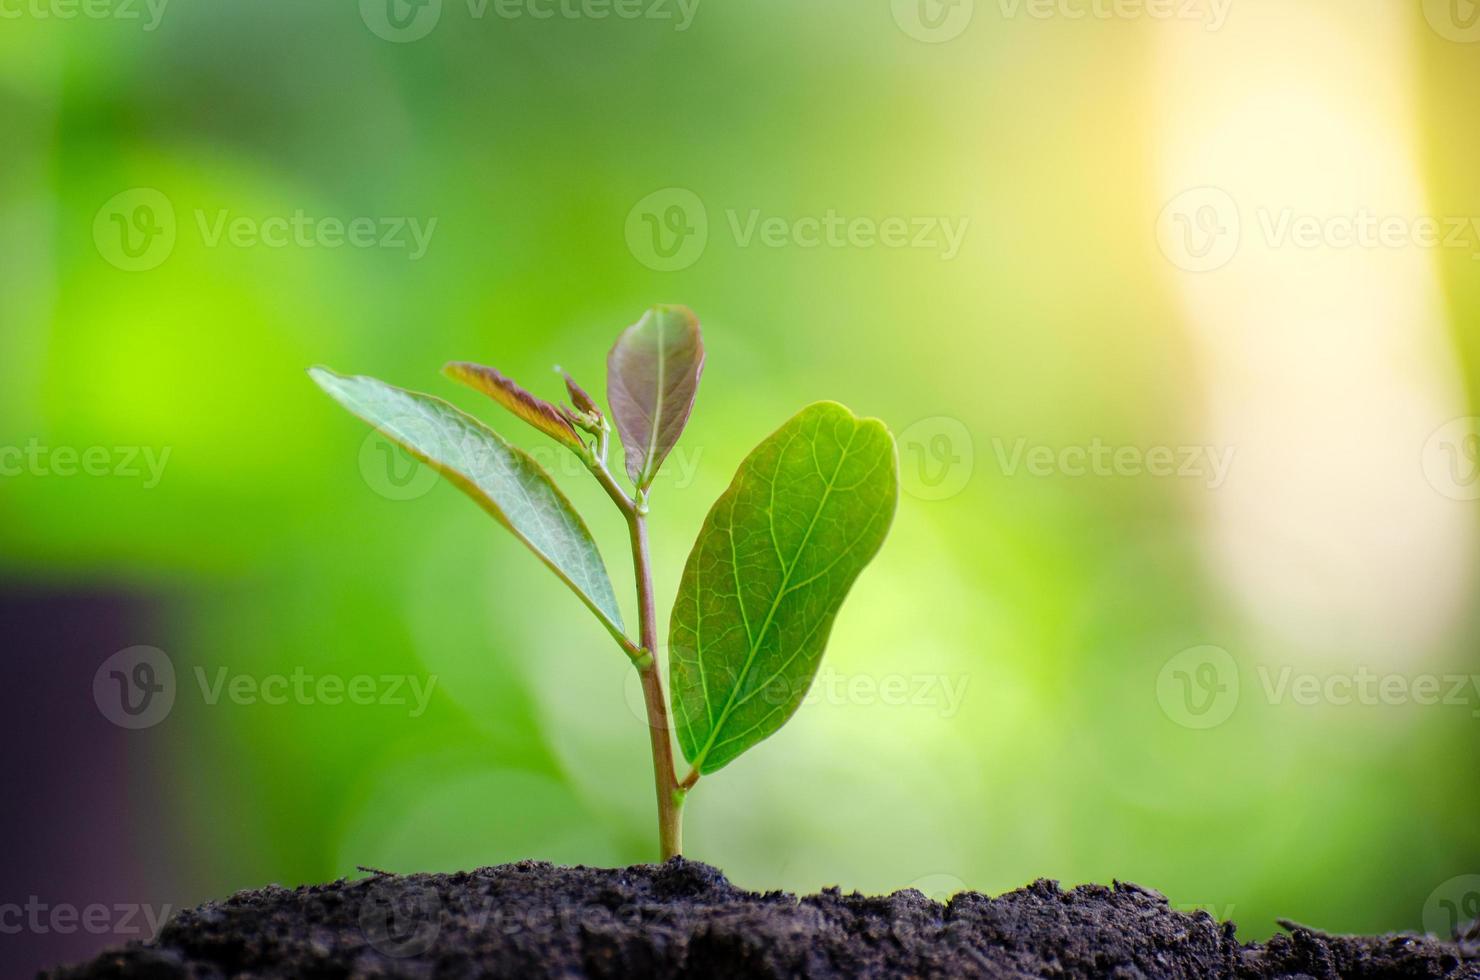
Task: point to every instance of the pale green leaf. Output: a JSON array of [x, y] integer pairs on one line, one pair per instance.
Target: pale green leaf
[[504, 480], [776, 557]]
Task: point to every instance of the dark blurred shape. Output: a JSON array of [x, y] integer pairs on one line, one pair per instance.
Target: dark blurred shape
[[83, 814]]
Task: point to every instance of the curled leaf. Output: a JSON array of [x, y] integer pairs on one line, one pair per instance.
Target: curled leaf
[[652, 377], [539, 413], [578, 397], [587, 414], [776, 557]]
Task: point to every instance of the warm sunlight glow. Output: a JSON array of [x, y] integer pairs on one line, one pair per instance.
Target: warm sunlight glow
[[1316, 310]]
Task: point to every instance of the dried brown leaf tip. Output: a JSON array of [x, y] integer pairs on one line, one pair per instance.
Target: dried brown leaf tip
[[539, 413]]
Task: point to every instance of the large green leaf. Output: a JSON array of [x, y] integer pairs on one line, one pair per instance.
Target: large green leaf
[[503, 479], [774, 561], [652, 375]]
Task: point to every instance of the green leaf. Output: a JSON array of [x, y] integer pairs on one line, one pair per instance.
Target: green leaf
[[774, 561], [652, 375], [539, 413], [502, 479]]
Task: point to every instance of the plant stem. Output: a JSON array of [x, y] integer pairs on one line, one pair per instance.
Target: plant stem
[[670, 796], [671, 793]]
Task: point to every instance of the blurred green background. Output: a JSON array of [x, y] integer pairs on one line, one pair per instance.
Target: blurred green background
[[543, 159]]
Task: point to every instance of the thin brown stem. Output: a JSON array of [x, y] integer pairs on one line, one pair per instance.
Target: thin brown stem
[[609, 484], [645, 657], [665, 779]]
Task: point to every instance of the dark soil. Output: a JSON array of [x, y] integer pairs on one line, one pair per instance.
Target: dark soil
[[683, 919]]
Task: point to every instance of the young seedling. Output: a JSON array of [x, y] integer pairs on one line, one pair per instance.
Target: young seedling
[[777, 555]]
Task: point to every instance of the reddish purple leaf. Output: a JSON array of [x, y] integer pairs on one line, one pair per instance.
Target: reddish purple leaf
[[536, 411], [652, 375]]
